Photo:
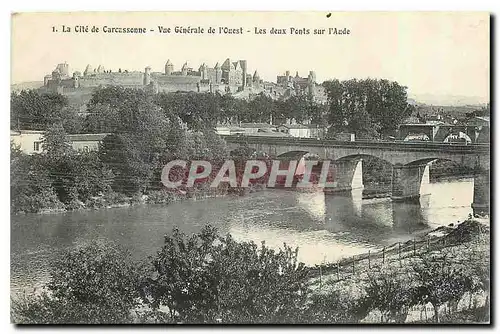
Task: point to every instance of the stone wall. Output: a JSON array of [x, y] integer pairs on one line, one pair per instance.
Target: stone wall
[[131, 79]]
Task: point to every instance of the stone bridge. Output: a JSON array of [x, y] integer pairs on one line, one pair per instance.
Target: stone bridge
[[410, 161]]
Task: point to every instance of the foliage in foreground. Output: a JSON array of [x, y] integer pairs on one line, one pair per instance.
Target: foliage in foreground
[[202, 278], [93, 284], [207, 278]]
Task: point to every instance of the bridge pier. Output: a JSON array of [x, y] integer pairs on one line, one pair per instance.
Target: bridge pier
[[409, 182], [347, 174], [481, 200]]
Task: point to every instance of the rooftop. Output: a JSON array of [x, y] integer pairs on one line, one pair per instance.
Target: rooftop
[[298, 126], [269, 134], [256, 125], [88, 136]]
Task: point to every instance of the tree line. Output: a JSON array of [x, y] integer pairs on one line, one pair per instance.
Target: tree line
[[369, 108]]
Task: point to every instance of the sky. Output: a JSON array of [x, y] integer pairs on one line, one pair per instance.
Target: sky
[[442, 53]]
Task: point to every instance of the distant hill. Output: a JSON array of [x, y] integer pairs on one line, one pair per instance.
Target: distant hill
[[449, 100], [26, 85]]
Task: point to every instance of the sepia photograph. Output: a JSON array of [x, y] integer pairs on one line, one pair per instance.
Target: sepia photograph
[[178, 168]]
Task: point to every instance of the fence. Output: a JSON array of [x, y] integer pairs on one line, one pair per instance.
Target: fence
[[399, 253]]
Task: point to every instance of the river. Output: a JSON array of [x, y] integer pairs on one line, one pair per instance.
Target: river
[[325, 228]]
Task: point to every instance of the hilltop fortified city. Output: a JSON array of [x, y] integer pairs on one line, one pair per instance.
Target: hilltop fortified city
[[231, 77]]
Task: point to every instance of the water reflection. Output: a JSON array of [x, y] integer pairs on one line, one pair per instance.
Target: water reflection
[[324, 227]]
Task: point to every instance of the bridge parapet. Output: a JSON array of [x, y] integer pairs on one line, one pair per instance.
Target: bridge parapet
[[395, 152]]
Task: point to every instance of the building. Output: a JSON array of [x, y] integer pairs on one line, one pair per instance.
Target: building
[[298, 130], [273, 134], [28, 141], [417, 132], [287, 85], [252, 128], [86, 142], [229, 130], [31, 141], [479, 129], [479, 121], [444, 133]]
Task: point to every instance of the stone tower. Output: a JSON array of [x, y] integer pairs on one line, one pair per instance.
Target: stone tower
[[311, 83], [88, 70], [76, 78], [256, 79], [312, 76], [147, 76], [63, 69], [249, 79], [218, 74], [46, 79], [243, 64], [203, 71], [184, 69], [169, 67]]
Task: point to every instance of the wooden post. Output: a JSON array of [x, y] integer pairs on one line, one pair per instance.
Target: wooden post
[[383, 255], [353, 264], [428, 243], [399, 253], [414, 247], [320, 277], [338, 271], [369, 261]]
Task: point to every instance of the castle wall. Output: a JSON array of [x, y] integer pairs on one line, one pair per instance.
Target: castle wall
[[186, 87], [163, 79], [133, 79]]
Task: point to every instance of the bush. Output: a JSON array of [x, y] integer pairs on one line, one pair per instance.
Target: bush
[[112, 197], [30, 185], [206, 278], [441, 281], [391, 294], [336, 306], [160, 197], [93, 284]]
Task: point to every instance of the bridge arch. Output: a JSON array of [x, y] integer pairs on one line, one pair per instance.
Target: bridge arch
[[293, 154], [406, 158]]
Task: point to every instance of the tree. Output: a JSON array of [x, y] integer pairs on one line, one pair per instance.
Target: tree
[[367, 107], [56, 144], [92, 284], [337, 119], [197, 110], [207, 278], [120, 153], [260, 109], [103, 118], [33, 110], [30, 184]]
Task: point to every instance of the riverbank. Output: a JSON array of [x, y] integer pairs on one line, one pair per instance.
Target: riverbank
[[465, 245], [118, 200]]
